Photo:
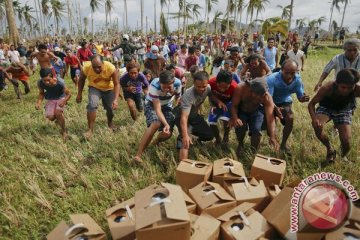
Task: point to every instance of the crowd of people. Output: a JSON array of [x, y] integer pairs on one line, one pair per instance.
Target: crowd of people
[[249, 85]]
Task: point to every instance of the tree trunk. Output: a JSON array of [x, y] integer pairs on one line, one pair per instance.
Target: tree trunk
[[14, 37], [155, 28], [240, 16], [126, 15], [331, 13], [92, 24], [291, 12], [184, 26], [69, 15], [38, 19], [142, 15], [343, 16]]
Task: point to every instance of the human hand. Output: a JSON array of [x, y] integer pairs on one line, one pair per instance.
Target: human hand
[[274, 143], [37, 106], [235, 122], [186, 141], [304, 98], [222, 106], [114, 104], [79, 98]]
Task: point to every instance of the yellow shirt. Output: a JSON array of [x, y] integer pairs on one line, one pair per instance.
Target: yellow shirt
[[102, 81], [99, 49]]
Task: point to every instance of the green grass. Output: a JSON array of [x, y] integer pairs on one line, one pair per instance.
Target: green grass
[[43, 179]]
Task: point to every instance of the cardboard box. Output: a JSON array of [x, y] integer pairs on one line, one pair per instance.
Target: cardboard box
[[277, 213], [163, 213], [82, 226], [227, 169], [273, 191], [204, 227], [243, 222], [190, 204], [121, 220], [212, 198], [190, 173], [270, 170], [248, 190], [351, 229]]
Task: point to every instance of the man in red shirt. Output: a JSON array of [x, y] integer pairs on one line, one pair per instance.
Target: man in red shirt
[[192, 59], [84, 52], [222, 87], [74, 64]]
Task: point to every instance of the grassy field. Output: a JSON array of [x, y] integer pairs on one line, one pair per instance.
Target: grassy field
[[43, 179]]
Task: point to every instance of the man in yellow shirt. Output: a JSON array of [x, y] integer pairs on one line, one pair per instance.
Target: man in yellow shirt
[[103, 81]]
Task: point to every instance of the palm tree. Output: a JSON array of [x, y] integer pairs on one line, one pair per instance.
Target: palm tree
[[291, 13], [334, 25], [208, 8], [38, 17], [14, 37], [27, 10], [94, 5], [216, 19], [142, 15], [58, 10], [320, 20], [108, 8], [300, 23], [312, 24], [164, 29], [343, 16], [334, 4], [260, 6], [195, 11], [45, 10], [285, 11], [239, 9], [86, 23], [273, 25], [229, 10]]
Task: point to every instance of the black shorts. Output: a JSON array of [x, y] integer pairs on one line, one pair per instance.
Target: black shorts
[[137, 98], [285, 110]]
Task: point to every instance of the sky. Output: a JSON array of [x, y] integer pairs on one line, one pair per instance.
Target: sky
[[309, 9]]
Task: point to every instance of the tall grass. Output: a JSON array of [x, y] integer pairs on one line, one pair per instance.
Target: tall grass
[[43, 179]]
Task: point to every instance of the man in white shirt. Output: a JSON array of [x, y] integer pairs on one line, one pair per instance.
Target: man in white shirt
[[13, 54], [297, 55]]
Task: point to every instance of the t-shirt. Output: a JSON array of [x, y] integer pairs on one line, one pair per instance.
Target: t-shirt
[[140, 82], [102, 81], [340, 62], [270, 57], [55, 92], [72, 61], [296, 57], [280, 91], [181, 59], [226, 96], [166, 99], [84, 54], [191, 100], [14, 56], [191, 61], [18, 73]]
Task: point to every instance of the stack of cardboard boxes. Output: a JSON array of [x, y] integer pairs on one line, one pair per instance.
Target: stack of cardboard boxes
[[209, 202]]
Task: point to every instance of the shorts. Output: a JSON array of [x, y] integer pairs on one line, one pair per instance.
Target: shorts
[[51, 106], [342, 37], [95, 95], [338, 117], [74, 72], [151, 116], [285, 110], [218, 113], [137, 98], [252, 121]]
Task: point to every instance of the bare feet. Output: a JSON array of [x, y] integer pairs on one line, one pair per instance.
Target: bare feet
[[88, 134], [138, 161], [330, 158], [112, 127], [286, 150], [64, 135]]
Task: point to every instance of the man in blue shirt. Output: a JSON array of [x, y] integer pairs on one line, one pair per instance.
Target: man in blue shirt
[[281, 85]]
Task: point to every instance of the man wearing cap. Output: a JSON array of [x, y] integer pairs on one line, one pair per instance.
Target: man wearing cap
[[154, 61], [104, 85], [250, 102], [281, 85]]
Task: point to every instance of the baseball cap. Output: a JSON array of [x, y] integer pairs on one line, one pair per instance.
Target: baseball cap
[[125, 36], [57, 49]]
